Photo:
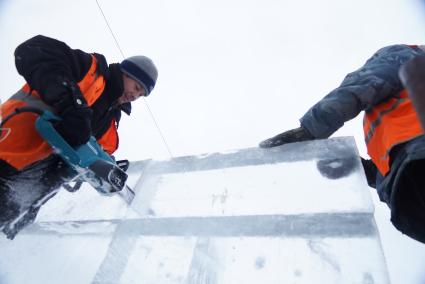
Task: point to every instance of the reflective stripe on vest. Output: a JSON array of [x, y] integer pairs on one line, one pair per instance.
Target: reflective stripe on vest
[[388, 124], [24, 146]]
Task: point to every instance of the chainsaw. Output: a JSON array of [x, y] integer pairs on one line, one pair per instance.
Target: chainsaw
[[88, 162]]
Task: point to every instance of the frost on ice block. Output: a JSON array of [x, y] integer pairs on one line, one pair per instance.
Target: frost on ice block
[[298, 213]]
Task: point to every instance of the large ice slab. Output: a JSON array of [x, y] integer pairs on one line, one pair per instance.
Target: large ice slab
[[298, 213]]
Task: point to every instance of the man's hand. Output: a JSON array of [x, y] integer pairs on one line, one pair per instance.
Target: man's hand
[[294, 135], [75, 126]]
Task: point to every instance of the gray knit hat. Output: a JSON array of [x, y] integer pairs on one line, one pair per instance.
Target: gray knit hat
[[141, 69]]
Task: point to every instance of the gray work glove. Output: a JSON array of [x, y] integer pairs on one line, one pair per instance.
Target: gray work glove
[[294, 135]]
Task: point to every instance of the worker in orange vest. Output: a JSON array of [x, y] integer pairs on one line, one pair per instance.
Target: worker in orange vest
[[86, 92], [392, 131]]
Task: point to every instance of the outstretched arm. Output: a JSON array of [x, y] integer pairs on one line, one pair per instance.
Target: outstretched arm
[[373, 83]]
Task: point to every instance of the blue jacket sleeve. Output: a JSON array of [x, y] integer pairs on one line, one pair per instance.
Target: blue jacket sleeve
[[373, 83]]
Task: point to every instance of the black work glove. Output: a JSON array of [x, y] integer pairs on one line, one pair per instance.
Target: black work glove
[[75, 126], [294, 135], [370, 171], [65, 96]]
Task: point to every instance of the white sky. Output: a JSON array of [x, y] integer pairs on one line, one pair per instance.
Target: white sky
[[231, 73]]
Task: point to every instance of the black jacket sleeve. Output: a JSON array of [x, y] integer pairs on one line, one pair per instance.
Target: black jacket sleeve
[[53, 69]]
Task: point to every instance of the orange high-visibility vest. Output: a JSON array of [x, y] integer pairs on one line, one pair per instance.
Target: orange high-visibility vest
[[388, 124], [24, 146]]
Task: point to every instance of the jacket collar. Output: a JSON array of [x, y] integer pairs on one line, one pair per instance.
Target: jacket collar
[[115, 87]]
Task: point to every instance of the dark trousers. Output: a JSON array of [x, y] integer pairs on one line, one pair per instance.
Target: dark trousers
[[403, 189], [23, 192]]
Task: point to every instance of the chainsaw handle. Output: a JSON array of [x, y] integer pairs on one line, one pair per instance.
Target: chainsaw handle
[[47, 115]]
